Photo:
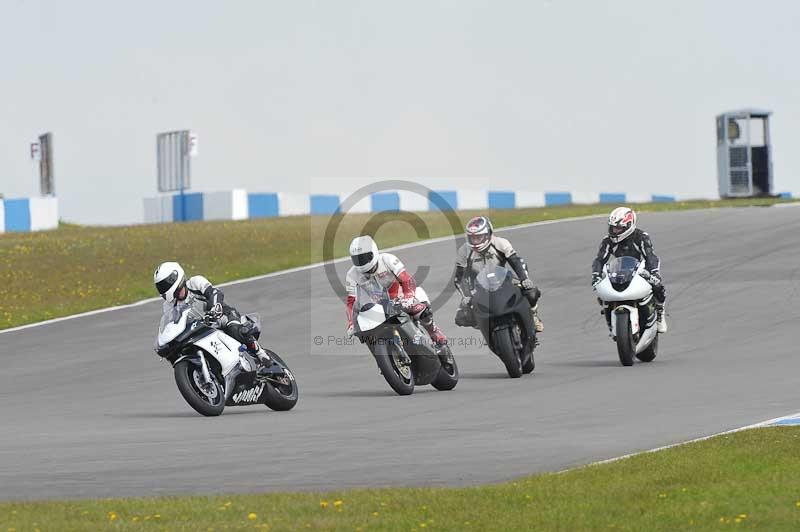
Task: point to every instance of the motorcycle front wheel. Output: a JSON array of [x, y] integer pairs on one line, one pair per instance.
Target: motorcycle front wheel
[[398, 375], [206, 399], [508, 354], [625, 343]]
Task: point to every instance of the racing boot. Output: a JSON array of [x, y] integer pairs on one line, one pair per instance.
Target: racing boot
[[661, 324], [434, 331], [266, 366], [538, 326]]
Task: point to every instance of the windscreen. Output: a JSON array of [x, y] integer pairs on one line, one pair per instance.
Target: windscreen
[[370, 292], [622, 269], [492, 277], [172, 314]]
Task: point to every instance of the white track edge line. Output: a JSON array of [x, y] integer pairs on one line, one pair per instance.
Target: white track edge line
[[758, 425], [287, 272]]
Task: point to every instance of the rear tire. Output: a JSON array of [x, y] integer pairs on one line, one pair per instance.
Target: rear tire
[[280, 397], [649, 354], [505, 347], [387, 363], [625, 347], [529, 365], [186, 376], [448, 375]]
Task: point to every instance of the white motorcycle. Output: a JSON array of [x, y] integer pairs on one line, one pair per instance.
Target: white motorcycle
[[629, 308], [213, 370]]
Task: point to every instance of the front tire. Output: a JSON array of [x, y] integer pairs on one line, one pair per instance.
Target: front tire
[[281, 396], [509, 356], [399, 376], [189, 378], [625, 344]]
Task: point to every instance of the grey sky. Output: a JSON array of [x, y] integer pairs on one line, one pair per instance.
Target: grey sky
[[287, 96]]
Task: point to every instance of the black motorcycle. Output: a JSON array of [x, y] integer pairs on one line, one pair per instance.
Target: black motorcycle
[[503, 315], [212, 370], [403, 350]]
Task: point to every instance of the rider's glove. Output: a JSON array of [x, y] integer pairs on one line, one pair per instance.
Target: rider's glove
[[655, 279], [595, 278], [466, 301], [411, 305], [215, 312], [351, 330], [526, 284]]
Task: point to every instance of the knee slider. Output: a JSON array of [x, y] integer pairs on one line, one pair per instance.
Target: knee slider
[[426, 316]]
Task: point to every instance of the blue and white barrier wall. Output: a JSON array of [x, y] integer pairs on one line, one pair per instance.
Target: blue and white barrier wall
[[28, 214], [238, 204]]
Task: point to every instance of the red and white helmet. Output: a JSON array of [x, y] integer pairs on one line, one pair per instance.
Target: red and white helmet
[[621, 224], [479, 233]]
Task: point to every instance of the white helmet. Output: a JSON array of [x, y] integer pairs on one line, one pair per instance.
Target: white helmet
[[621, 224], [169, 279], [364, 253]]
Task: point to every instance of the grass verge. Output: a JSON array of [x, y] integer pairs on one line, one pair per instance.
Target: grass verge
[[76, 269], [746, 480]]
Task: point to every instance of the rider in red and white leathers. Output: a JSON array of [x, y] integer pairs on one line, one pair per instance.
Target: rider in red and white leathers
[[369, 263]]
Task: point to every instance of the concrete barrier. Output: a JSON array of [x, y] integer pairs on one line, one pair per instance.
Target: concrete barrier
[[28, 214], [238, 204]]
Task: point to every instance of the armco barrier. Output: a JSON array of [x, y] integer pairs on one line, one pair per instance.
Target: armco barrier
[[28, 214], [238, 204]]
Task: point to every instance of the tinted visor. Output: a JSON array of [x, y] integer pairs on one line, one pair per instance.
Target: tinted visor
[[478, 239], [615, 230], [166, 284], [362, 259]]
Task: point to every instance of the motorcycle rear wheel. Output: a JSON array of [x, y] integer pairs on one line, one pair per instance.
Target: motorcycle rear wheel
[[649, 354], [448, 373], [281, 397]]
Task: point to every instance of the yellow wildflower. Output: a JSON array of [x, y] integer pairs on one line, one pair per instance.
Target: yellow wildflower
[[323, 504], [251, 516], [337, 503]]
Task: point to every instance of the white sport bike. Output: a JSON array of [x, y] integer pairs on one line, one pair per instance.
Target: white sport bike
[[212, 369], [629, 308]]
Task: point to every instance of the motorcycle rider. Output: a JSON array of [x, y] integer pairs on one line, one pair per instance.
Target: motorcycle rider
[[369, 263], [483, 247], [173, 286], [626, 240]]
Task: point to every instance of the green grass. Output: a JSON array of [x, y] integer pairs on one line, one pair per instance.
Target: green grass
[[747, 480], [75, 269]]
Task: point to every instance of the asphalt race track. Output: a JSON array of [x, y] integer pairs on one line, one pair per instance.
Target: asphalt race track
[[88, 410]]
